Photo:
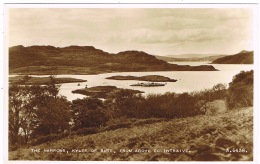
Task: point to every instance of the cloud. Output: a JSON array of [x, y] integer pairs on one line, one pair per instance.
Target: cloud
[[119, 29]]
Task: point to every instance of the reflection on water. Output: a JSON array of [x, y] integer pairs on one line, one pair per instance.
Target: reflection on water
[[187, 80]]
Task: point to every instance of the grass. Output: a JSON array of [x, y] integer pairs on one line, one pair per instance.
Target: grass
[[206, 137]]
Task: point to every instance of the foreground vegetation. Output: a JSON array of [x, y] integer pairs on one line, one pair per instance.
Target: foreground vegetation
[[39, 115], [207, 138]]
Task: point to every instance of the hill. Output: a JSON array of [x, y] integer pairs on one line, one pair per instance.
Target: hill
[[86, 60], [193, 55], [219, 137], [179, 58], [243, 57]]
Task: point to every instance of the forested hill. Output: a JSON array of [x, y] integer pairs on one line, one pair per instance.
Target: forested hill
[[243, 57], [86, 60]]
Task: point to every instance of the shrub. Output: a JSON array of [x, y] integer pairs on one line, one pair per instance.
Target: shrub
[[86, 131], [118, 126], [88, 112], [169, 105], [48, 138], [240, 92], [148, 121]]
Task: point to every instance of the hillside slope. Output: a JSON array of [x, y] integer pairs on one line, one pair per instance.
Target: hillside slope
[[86, 60], [202, 138], [243, 57], [190, 59], [198, 55]]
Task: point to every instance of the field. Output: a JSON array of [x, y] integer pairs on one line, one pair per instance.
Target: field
[[222, 137]]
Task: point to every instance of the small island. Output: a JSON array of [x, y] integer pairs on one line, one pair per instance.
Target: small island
[[28, 80], [151, 78], [148, 84], [103, 91]]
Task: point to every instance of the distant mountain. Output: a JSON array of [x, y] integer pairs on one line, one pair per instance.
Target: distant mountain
[[193, 55], [243, 57], [189, 59], [86, 60]]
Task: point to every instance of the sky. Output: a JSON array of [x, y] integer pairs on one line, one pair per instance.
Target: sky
[[157, 31]]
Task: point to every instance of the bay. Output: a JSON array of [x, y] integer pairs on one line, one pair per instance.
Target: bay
[[188, 81]]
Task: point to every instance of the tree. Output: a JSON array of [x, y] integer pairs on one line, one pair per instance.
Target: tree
[[88, 112], [203, 97], [19, 113], [52, 110], [124, 103], [219, 91], [53, 115], [36, 110], [184, 106], [240, 92]]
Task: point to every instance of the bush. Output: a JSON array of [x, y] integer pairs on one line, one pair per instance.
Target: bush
[[13, 147], [48, 138], [169, 105], [205, 97], [88, 112], [86, 131], [183, 106], [240, 92], [118, 126], [148, 121]]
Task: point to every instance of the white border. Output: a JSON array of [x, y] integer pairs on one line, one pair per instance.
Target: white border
[[256, 86], [6, 70], [4, 60], [140, 5]]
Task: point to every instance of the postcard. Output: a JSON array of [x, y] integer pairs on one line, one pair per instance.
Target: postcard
[[130, 82]]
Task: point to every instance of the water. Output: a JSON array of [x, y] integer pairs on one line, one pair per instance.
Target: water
[[187, 80]]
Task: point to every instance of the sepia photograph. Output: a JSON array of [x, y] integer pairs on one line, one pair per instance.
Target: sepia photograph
[[122, 82]]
